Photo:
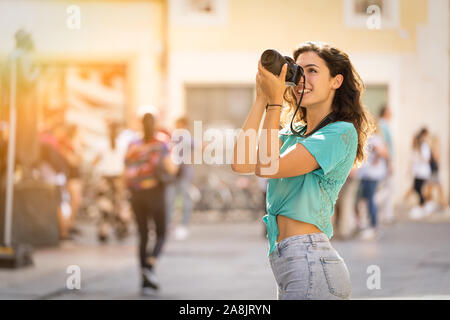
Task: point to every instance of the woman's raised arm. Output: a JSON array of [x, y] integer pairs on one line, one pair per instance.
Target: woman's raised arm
[[245, 146]]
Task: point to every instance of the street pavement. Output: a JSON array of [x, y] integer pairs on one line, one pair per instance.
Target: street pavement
[[226, 259]]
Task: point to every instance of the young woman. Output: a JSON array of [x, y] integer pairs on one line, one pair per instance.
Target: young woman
[[110, 165], [434, 183], [143, 159], [305, 171], [421, 170]]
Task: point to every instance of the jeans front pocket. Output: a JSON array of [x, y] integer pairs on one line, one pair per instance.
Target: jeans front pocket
[[294, 276], [291, 271], [337, 276]]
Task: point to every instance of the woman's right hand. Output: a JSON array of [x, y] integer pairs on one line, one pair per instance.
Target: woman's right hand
[[272, 86]]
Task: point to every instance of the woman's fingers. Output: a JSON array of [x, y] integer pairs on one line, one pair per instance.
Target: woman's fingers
[[258, 78], [283, 72], [263, 71], [269, 84], [267, 74], [260, 67]]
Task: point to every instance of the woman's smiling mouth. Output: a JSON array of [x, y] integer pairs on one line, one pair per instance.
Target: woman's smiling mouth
[[306, 91]]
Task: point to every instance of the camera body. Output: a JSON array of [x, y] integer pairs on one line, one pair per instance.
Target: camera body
[[273, 61]]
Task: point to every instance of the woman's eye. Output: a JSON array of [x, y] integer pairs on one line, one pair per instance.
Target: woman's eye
[[313, 70]]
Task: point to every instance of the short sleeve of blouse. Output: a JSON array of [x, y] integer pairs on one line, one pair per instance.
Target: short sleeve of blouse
[[283, 134], [331, 145]]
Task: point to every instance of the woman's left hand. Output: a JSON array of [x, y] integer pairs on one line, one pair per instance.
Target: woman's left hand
[[271, 85]]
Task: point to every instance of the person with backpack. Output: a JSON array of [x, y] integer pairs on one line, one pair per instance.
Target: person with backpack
[[146, 161]]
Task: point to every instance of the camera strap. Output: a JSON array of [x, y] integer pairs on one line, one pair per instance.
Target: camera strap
[[331, 117]]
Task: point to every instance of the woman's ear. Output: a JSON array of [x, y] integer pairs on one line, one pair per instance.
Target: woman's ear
[[337, 81]]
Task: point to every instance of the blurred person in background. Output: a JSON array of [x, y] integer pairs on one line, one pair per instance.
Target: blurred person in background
[[147, 159], [55, 169], [421, 171], [387, 185], [182, 184], [371, 173], [434, 183], [311, 167], [345, 217], [71, 148], [110, 165]]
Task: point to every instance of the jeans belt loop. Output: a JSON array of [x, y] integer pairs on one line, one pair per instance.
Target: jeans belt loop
[[311, 238]]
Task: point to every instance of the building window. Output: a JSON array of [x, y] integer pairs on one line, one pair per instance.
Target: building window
[[375, 97], [219, 105], [372, 14], [198, 12]]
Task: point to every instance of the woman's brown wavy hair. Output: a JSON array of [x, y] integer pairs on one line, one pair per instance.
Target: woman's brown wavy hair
[[347, 99]]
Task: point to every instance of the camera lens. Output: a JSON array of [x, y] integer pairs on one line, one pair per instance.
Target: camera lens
[[268, 57], [272, 61]]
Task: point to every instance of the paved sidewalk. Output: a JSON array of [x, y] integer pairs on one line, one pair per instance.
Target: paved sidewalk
[[228, 261]]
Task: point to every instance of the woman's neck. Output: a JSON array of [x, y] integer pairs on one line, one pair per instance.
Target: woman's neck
[[314, 116]]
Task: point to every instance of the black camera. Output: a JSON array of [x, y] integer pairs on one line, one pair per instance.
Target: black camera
[[273, 61]]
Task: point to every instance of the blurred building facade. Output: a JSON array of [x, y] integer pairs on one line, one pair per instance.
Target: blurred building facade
[[200, 57]]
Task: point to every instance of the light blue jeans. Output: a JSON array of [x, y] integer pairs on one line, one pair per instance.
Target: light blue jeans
[[179, 187], [307, 267]]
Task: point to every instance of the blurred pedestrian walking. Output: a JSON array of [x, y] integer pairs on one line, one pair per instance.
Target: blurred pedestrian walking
[[387, 188], [60, 164], [434, 183], [371, 173], [345, 218], [147, 161], [71, 147], [180, 188], [421, 171], [109, 163]]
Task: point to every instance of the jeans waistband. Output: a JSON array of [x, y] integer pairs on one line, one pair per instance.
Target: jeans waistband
[[305, 238]]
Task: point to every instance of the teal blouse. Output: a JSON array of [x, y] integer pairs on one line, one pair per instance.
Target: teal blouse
[[311, 197]]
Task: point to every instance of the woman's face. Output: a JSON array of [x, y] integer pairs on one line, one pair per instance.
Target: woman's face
[[320, 86]]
